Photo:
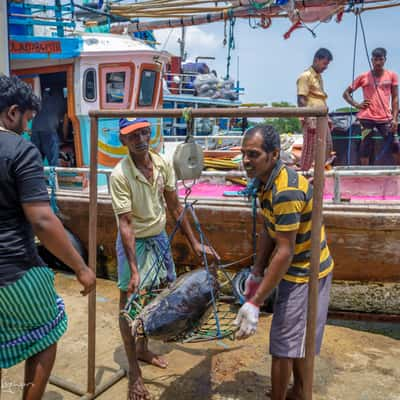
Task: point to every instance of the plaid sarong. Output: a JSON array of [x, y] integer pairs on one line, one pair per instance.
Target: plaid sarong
[[32, 316], [309, 143], [154, 260]]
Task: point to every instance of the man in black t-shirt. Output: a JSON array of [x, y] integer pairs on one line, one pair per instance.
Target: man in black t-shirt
[[32, 316]]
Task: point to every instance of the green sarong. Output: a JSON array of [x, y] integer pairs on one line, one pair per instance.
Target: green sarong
[[32, 316]]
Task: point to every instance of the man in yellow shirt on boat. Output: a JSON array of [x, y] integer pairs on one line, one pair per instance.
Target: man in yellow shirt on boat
[[311, 93], [141, 185], [283, 261]]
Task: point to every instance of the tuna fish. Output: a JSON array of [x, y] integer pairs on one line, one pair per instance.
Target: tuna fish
[[180, 308]]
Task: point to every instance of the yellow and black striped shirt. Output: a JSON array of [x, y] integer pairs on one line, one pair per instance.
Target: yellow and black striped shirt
[[286, 203]]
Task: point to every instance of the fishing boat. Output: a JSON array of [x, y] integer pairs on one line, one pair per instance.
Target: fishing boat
[[108, 72], [96, 71]]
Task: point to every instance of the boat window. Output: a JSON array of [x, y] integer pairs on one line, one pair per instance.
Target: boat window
[[147, 85], [116, 86], [89, 85]]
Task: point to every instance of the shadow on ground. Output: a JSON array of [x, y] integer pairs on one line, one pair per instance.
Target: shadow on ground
[[388, 329]]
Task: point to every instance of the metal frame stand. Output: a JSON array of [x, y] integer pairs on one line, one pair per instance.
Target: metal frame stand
[[322, 126], [92, 390]]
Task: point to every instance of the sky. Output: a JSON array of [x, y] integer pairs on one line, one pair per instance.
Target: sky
[[269, 65]]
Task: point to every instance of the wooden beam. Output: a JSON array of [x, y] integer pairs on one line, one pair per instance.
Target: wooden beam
[[250, 112]]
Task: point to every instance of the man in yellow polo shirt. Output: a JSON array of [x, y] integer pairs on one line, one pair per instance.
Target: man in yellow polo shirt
[[283, 261], [311, 93], [141, 184]]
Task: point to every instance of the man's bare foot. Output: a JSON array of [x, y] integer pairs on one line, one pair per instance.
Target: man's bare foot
[[137, 390], [294, 394], [149, 357], [290, 395]]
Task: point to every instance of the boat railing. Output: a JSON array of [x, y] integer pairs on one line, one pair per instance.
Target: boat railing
[[180, 83], [336, 173], [39, 14]]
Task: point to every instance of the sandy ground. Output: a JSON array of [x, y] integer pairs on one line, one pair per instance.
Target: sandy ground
[[354, 365]]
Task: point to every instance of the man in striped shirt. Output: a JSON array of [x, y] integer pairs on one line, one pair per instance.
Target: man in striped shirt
[[283, 261]]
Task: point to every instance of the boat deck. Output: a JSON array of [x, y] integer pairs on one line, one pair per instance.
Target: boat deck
[[354, 365]]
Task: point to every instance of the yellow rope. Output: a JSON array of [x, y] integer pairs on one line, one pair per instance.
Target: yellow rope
[[166, 3], [158, 3], [164, 13], [165, 8], [183, 13], [171, 10]]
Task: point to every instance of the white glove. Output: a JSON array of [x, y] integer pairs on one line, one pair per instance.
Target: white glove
[[247, 320]]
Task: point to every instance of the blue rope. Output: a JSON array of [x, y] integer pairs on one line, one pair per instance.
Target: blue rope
[[52, 184], [252, 187], [157, 263], [161, 256], [202, 241]]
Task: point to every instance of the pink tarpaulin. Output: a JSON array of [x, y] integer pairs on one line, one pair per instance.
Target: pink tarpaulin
[[352, 189]]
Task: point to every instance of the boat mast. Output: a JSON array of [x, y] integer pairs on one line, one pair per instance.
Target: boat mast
[[4, 51], [182, 44]]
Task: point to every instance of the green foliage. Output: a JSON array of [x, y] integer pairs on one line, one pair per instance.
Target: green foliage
[[284, 125], [346, 109]]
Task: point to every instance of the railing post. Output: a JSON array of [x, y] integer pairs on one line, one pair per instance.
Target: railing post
[[91, 383], [336, 188]]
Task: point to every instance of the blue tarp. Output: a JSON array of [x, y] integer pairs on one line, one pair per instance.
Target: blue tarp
[[29, 47]]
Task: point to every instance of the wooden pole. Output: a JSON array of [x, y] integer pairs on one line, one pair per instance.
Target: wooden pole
[[319, 176], [250, 112], [91, 384]]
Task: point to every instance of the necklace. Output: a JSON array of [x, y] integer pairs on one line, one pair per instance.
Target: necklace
[[147, 171]]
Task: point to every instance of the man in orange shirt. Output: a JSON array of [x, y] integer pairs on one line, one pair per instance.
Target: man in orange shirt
[[380, 88]]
